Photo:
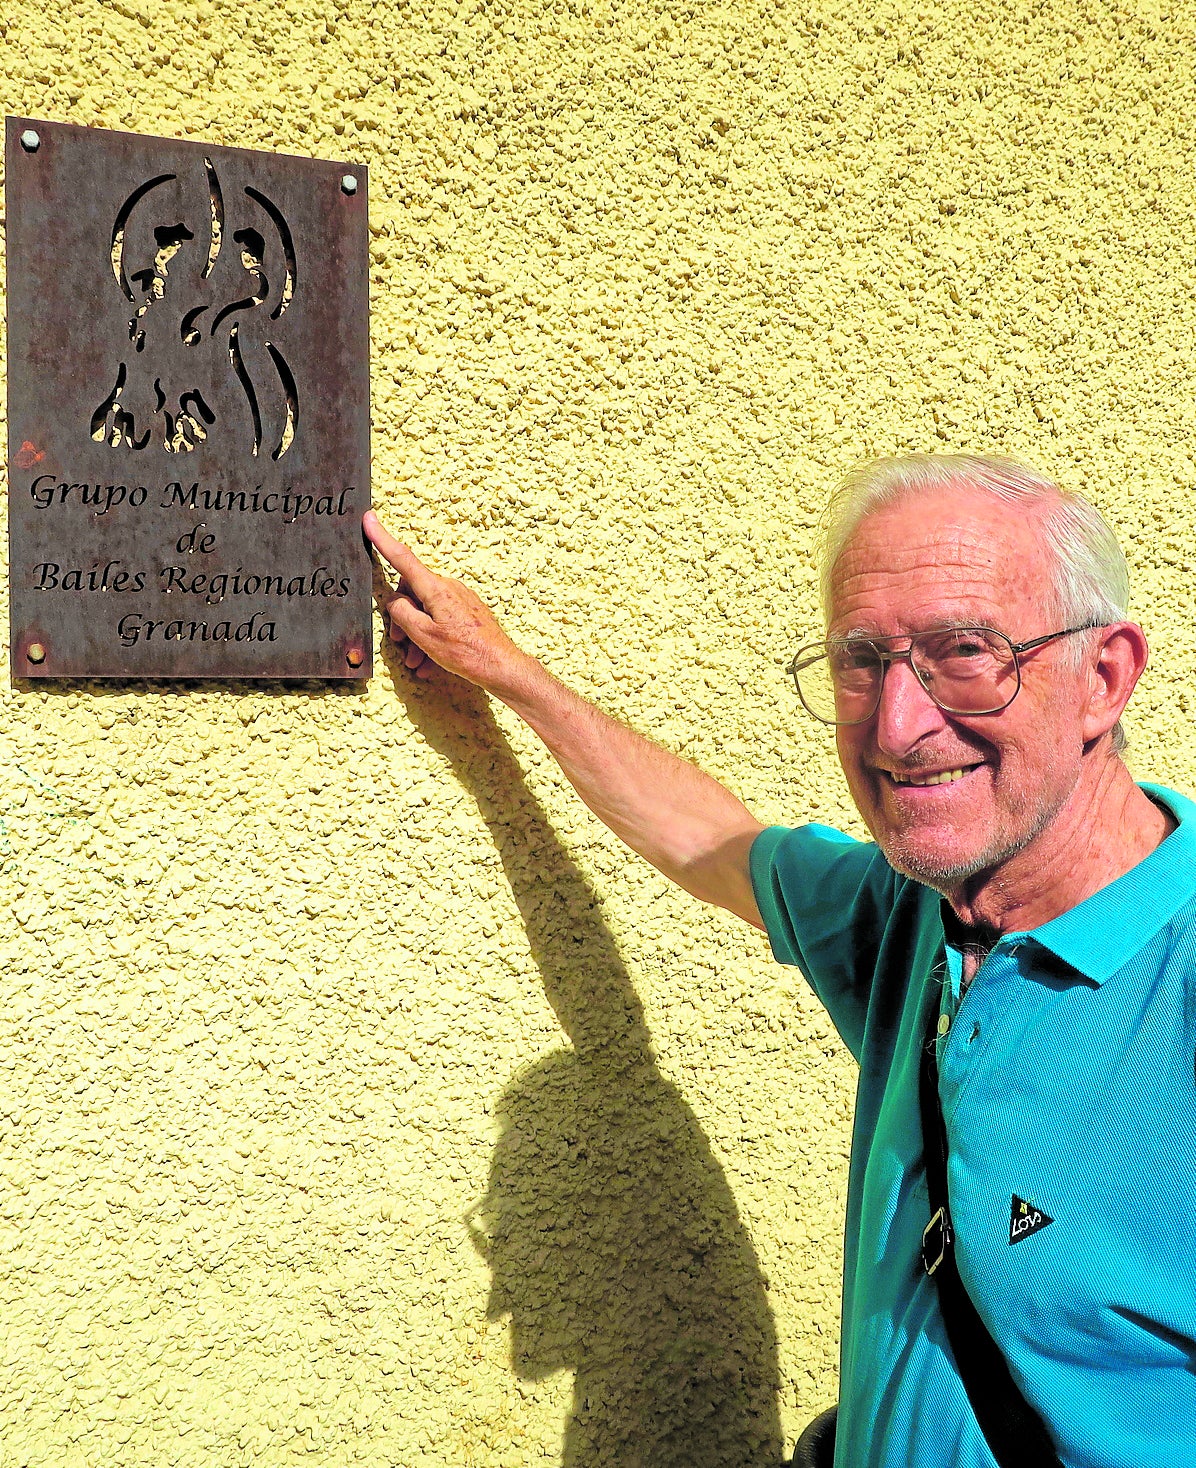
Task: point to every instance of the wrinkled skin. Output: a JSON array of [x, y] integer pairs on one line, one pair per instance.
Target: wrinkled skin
[[1044, 809]]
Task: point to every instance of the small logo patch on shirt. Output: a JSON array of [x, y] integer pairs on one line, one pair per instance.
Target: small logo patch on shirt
[[1025, 1219]]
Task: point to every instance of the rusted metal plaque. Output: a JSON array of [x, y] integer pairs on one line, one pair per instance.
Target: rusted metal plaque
[[188, 395]]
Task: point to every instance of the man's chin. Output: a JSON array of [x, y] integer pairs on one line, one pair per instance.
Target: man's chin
[[945, 849], [946, 864], [934, 865]]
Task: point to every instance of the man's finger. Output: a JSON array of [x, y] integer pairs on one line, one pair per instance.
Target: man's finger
[[398, 555], [409, 618], [406, 589]]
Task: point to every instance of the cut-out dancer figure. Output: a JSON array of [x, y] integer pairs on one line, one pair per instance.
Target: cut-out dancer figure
[[192, 282]]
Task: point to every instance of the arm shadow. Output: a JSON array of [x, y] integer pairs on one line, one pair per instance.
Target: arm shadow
[[611, 1233]]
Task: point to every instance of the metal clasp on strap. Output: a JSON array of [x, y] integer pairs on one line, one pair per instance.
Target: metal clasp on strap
[[936, 1240]]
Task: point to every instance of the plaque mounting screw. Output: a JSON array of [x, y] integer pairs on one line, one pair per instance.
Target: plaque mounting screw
[[30, 141], [35, 652], [348, 184], [355, 657]]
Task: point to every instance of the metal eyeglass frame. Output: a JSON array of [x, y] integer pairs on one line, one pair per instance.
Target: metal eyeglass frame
[[812, 652]]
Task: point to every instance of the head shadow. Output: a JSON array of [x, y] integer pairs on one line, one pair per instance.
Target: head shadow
[[612, 1236]]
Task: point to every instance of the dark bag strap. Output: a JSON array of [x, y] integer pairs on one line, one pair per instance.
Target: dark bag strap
[[1015, 1433], [816, 1446]]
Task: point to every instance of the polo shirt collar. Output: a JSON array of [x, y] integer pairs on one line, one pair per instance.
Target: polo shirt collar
[[1106, 930]]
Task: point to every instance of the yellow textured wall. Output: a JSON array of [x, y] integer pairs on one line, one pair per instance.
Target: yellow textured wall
[[362, 1101]]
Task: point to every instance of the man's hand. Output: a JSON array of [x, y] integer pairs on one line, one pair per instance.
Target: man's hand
[[435, 620], [687, 825]]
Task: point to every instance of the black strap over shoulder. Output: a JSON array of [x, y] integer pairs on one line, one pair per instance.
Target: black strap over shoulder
[[1015, 1433], [816, 1446]]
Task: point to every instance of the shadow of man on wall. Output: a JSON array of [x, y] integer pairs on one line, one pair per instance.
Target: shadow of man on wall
[[611, 1234]]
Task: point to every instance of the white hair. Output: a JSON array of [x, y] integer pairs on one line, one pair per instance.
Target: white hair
[[1091, 584]]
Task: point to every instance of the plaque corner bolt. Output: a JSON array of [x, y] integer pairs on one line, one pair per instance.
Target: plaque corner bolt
[[30, 140], [355, 657], [348, 183], [35, 653]]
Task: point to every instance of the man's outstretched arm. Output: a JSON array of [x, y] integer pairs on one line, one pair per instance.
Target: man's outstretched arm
[[685, 823]]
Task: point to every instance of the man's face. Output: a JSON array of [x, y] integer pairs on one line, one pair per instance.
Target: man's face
[[956, 558]]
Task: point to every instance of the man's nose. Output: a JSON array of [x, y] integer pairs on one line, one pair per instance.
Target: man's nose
[[906, 714]]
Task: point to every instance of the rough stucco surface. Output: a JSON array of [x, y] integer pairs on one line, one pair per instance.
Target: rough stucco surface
[[362, 1101]]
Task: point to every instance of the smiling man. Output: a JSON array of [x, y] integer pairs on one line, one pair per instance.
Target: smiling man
[[1010, 960]]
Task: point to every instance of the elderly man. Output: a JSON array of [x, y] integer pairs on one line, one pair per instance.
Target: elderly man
[[1011, 962]]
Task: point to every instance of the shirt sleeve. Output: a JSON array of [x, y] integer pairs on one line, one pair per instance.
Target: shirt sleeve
[[826, 900]]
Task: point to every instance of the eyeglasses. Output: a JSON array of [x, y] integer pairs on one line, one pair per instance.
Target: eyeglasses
[[965, 670]]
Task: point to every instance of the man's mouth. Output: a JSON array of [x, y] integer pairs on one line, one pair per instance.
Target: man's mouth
[[939, 777]]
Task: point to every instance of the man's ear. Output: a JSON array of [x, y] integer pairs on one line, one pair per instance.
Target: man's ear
[[1114, 666]]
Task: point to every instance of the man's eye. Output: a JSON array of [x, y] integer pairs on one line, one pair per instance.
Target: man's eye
[[853, 658], [963, 645]]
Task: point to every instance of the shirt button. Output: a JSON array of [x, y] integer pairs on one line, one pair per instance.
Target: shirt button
[[944, 1023]]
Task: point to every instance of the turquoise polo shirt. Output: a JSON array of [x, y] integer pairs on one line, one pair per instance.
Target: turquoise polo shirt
[[1068, 1084]]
